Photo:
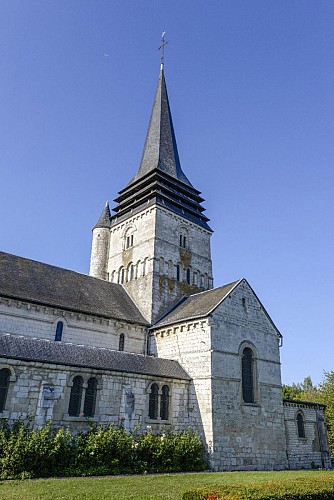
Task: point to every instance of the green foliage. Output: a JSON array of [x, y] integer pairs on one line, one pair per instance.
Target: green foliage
[[291, 391], [302, 391], [304, 489], [170, 452], [326, 390], [26, 452]]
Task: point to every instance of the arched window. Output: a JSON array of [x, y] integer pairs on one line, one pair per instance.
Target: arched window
[[121, 342], [164, 403], [4, 383], [131, 272], [153, 402], [137, 269], [145, 269], [75, 397], [178, 272], [300, 425], [90, 398], [247, 376], [183, 241], [148, 344], [121, 276], [128, 239], [59, 331], [188, 276]]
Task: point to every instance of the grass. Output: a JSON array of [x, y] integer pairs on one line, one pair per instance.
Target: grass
[[152, 487]]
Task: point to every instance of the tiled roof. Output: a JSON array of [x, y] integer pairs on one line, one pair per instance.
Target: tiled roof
[[45, 351], [32, 281], [197, 306]]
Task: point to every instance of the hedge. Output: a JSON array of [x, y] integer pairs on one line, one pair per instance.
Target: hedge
[[26, 452], [300, 489]]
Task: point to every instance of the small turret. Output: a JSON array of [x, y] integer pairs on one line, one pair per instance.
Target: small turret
[[100, 245]]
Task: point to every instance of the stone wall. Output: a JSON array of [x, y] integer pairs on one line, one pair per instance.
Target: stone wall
[[239, 435], [28, 319], [247, 435], [131, 261], [42, 391], [190, 344], [309, 448], [154, 268]]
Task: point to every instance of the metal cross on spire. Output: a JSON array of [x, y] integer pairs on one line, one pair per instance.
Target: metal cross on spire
[[162, 48]]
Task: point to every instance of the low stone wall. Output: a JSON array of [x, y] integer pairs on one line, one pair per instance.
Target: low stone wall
[[307, 445]]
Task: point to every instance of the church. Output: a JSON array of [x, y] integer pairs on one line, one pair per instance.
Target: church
[[145, 339]]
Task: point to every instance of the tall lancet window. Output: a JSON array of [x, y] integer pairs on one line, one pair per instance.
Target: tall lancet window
[[248, 375], [300, 425], [121, 342], [59, 331], [164, 403], [4, 384], [90, 398], [75, 397], [153, 402]]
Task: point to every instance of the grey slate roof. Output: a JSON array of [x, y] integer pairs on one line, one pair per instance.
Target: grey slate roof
[[198, 305], [160, 179], [104, 220], [160, 150], [32, 281], [31, 349]]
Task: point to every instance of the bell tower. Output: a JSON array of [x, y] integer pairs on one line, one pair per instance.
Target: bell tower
[[159, 238]]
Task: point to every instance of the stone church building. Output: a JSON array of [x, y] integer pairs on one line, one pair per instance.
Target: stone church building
[[145, 339]]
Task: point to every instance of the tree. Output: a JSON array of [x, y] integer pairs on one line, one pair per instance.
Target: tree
[[326, 390], [291, 391], [302, 391]]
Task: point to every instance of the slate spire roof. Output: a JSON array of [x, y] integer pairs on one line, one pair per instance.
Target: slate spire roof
[[104, 220], [160, 150], [160, 178]]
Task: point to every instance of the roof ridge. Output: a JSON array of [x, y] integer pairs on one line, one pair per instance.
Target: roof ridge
[[216, 288], [86, 346]]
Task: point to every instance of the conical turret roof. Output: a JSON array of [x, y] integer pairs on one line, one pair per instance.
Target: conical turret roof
[[105, 218], [160, 178]]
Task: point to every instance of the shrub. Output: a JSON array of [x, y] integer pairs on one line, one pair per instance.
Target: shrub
[[47, 451]]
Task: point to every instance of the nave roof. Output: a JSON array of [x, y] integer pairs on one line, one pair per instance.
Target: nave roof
[[32, 281], [62, 353]]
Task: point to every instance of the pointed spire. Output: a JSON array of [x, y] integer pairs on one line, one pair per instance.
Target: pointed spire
[[104, 220], [160, 150]]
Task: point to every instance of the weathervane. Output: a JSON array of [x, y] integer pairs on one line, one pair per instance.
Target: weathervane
[[162, 47]]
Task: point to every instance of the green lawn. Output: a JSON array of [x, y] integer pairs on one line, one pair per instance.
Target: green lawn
[[155, 487]]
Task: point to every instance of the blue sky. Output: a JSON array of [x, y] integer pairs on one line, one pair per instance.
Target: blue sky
[[251, 91]]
